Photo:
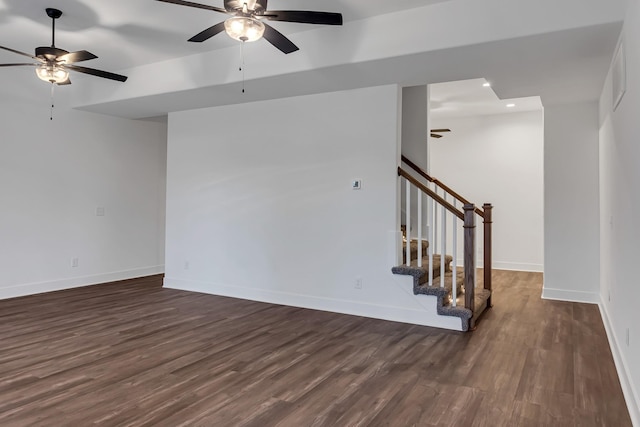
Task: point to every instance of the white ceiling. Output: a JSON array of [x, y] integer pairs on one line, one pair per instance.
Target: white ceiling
[[128, 33], [559, 51], [472, 98]]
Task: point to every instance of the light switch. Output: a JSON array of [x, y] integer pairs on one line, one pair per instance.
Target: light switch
[[356, 184]]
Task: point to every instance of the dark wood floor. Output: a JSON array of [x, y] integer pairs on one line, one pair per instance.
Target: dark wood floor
[[134, 354]]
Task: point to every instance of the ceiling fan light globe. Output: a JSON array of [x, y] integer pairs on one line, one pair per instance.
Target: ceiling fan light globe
[[244, 28], [52, 73], [236, 26]]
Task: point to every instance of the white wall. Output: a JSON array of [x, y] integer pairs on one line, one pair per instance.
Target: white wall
[[571, 202], [619, 207], [415, 130], [53, 176], [260, 205], [498, 159]]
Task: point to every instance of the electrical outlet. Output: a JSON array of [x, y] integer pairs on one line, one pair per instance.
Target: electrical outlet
[[627, 337], [609, 294], [358, 284], [99, 211], [74, 262], [186, 265]]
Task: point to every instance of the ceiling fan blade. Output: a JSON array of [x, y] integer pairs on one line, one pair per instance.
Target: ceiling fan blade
[[435, 135], [21, 53], [15, 65], [440, 130], [81, 55], [197, 5], [277, 39], [98, 73], [208, 33], [304, 17]]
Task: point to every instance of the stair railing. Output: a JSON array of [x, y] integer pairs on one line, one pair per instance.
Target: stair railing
[[439, 207], [448, 199]]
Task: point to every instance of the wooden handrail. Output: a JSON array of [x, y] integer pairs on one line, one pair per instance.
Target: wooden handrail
[[431, 193], [417, 169], [440, 184]]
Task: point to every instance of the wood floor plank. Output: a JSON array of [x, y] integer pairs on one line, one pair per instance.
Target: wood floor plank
[[132, 353]]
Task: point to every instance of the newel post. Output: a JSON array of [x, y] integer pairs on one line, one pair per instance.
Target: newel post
[[488, 262], [469, 257]]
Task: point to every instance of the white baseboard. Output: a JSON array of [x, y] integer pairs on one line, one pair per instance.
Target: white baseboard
[[510, 266], [631, 395], [355, 308], [515, 266], [76, 282], [570, 296]]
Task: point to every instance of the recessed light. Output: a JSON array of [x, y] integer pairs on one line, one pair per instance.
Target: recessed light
[[487, 84], [511, 105]]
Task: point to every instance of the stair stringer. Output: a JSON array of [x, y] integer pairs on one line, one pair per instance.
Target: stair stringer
[[440, 293], [428, 306]]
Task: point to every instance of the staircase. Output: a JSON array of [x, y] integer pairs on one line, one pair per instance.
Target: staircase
[[443, 289], [469, 298]]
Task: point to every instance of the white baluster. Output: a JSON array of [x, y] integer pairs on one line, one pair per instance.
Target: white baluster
[[419, 228], [408, 225], [443, 243], [454, 288], [435, 219], [431, 208]]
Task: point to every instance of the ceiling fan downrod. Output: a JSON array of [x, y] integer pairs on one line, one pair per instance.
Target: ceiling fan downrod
[[53, 14]]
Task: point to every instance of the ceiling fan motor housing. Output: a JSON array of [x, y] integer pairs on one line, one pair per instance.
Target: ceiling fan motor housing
[[49, 53], [257, 6]]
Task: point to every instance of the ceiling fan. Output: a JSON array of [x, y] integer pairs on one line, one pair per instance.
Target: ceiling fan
[[53, 64], [435, 133], [246, 23]]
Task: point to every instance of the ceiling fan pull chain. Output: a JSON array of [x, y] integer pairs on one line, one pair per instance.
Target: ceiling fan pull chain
[[242, 63], [51, 110]]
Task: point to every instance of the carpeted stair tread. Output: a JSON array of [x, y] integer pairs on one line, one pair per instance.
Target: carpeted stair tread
[[424, 283], [480, 305], [421, 276], [414, 249], [422, 273], [436, 261], [480, 298]]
